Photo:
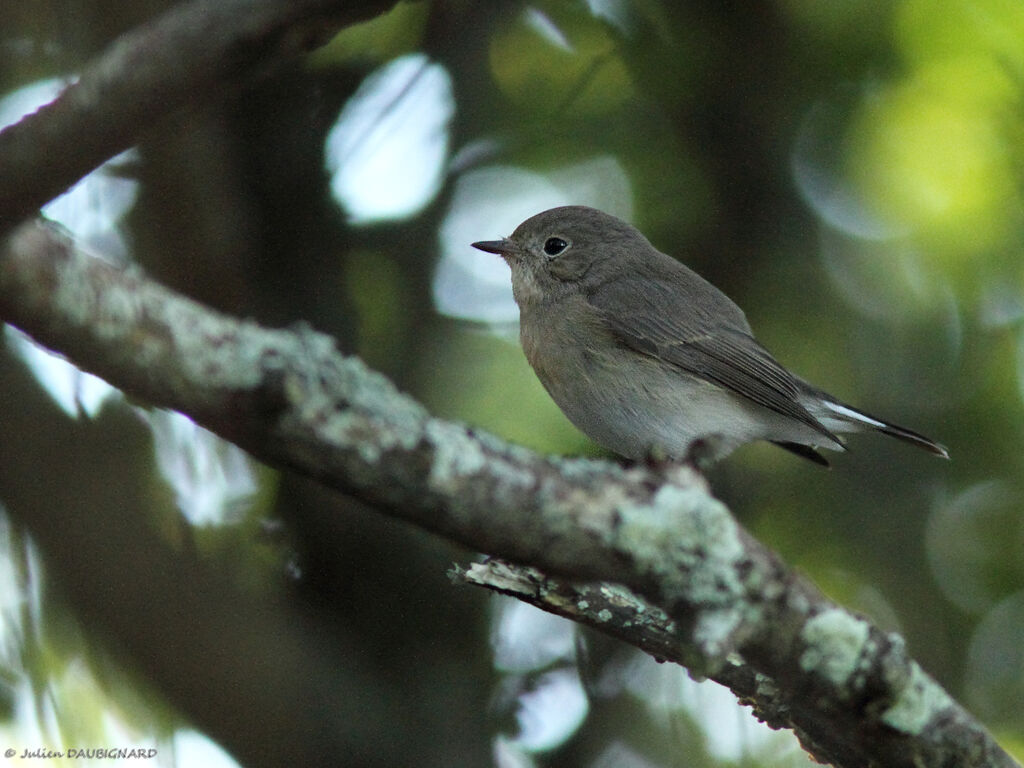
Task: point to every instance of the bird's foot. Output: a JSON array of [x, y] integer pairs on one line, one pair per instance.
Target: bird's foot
[[703, 452]]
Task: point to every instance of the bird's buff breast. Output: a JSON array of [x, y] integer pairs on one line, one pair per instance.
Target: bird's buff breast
[[627, 402]]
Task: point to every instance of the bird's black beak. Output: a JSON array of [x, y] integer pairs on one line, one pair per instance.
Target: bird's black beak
[[501, 247]]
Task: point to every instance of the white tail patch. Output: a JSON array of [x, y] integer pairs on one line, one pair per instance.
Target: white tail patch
[[852, 415]]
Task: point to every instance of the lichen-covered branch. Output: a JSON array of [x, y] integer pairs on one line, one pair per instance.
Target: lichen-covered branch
[[849, 690], [616, 611], [192, 52]]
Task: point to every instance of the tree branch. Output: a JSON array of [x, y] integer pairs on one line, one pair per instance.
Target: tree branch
[[849, 690], [189, 54]]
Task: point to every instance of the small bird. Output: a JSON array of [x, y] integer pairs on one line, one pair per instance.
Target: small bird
[[648, 358]]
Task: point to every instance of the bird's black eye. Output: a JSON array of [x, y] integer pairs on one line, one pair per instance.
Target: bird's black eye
[[554, 246]]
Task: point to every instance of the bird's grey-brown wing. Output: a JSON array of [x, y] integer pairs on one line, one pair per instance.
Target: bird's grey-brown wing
[[698, 329]]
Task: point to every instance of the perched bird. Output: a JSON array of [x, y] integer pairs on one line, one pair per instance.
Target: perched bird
[[648, 358]]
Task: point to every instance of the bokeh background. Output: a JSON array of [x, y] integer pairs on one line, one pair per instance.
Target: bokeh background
[[852, 174]]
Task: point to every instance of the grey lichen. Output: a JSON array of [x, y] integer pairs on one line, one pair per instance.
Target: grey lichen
[[456, 456], [691, 527], [705, 529], [347, 405], [834, 645], [765, 686], [213, 352], [715, 630], [694, 545], [512, 453], [918, 704], [366, 390], [588, 471]]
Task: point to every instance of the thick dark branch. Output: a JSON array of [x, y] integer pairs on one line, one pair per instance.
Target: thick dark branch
[[191, 53], [849, 690]]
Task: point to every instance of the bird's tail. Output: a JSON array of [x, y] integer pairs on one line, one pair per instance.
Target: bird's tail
[[843, 418]]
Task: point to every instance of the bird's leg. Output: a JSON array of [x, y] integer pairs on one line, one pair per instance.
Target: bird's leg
[[703, 452]]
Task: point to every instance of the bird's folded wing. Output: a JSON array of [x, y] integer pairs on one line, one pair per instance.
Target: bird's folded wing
[[653, 317]]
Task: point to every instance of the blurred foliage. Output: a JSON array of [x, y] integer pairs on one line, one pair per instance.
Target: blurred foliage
[[852, 174], [557, 61], [390, 34]]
